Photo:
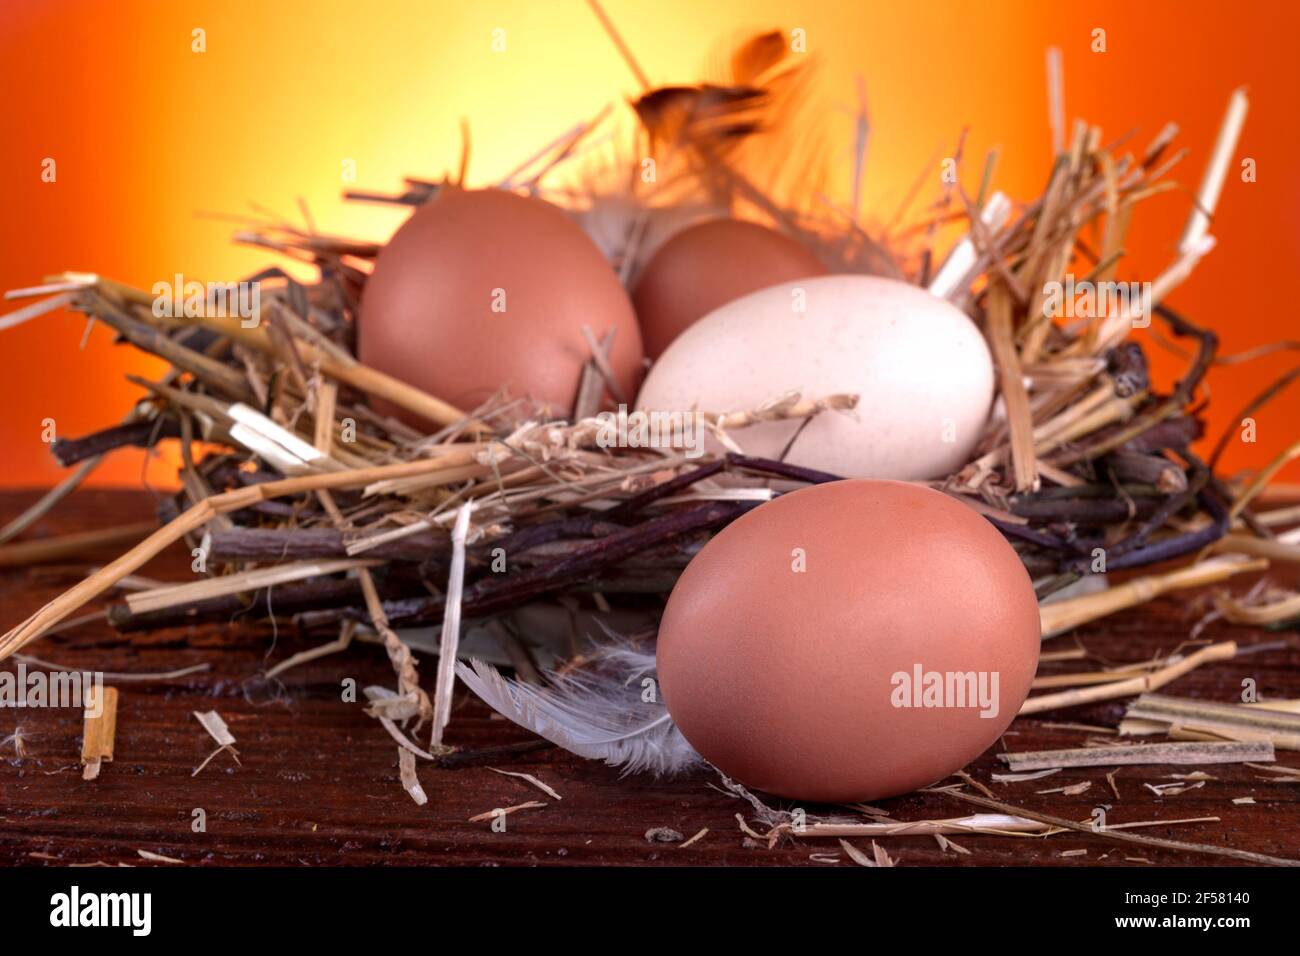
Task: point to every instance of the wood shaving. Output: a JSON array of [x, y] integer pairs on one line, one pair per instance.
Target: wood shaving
[[100, 731], [217, 729]]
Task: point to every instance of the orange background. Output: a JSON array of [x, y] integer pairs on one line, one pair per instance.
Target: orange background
[[150, 138]]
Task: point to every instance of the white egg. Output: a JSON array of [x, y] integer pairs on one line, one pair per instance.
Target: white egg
[[921, 369]]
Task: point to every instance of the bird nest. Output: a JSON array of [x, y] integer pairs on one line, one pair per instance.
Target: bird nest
[[302, 501]]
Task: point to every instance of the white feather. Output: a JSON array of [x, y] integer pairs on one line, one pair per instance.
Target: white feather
[[597, 713]]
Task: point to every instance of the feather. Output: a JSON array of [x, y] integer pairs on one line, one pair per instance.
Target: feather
[[597, 712]]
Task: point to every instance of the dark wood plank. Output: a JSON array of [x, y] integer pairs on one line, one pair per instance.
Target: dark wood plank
[[318, 784]]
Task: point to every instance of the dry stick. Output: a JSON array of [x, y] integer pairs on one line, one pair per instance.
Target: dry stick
[[591, 386], [200, 514], [1258, 482], [984, 823], [1275, 612], [346, 632], [581, 564], [1086, 677], [600, 358], [72, 545], [1024, 461], [1270, 548], [288, 599], [995, 824], [1064, 615], [1216, 171], [148, 338], [330, 362], [294, 543], [618, 42], [120, 677], [1111, 833], [446, 680], [1259, 401], [1134, 685], [326, 401], [1164, 753], [173, 595], [48, 502], [1235, 721]]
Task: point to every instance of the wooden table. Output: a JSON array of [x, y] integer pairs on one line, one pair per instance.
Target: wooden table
[[317, 782]]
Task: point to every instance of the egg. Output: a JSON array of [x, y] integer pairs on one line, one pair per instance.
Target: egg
[[921, 369], [849, 641], [487, 290], [707, 265]]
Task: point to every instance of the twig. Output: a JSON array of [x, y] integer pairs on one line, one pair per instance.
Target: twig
[[1134, 685], [47, 550]]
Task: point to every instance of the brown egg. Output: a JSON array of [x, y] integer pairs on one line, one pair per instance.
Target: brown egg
[[849, 641], [484, 290], [706, 266]]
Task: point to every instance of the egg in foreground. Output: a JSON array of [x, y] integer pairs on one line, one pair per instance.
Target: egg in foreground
[[849, 641]]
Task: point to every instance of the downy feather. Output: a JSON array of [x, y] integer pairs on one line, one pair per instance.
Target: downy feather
[[597, 712]]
